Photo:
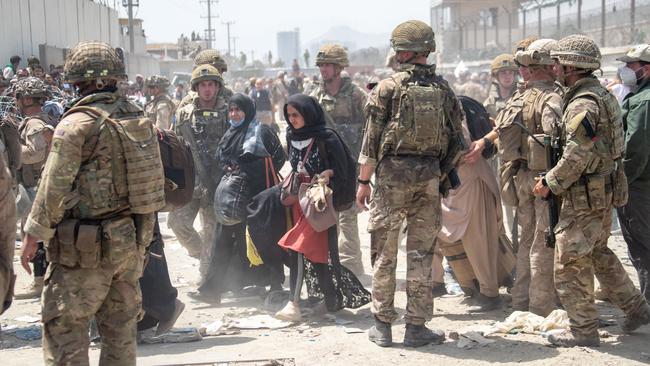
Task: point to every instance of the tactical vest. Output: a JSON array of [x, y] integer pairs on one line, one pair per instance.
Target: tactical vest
[[341, 114], [29, 174], [151, 107], [203, 129], [609, 149], [124, 165], [515, 143], [418, 123]]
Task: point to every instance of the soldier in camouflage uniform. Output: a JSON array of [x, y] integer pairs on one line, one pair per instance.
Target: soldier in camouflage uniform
[[343, 104], [161, 108], [503, 85], [536, 111], [7, 231], [35, 136], [95, 212], [213, 58], [590, 178], [201, 123], [403, 145]]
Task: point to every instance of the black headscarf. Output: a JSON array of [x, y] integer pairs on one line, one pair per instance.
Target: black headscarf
[[230, 146], [313, 115]]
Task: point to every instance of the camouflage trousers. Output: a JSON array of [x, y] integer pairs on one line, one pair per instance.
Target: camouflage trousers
[[349, 243], [401, 194], [7, 237], [580, 252], [181, 221], [533, 289], [73, 296]]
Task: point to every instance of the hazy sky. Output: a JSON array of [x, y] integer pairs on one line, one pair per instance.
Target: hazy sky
[[257, 21]]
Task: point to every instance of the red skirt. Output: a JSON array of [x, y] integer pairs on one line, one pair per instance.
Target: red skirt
[[303, 239]]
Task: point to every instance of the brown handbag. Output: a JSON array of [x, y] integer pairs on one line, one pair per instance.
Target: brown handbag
[[316, 204]]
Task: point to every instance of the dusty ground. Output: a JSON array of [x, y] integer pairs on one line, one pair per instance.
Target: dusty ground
[[324, 342]]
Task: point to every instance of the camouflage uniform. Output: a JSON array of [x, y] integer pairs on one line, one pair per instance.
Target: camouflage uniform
[[407, 187], [88, 211], [590, 179], [161, 109], [539, 110], [344, 113], [203, 130], [7, 230]]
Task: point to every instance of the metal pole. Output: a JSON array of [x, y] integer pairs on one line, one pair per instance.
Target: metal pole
[[539, 20], [602, 24], [475, 34], [209, 24], [523, 35], [131, 35], [579, 14], [228, 24], [557, 15], [632, 30]]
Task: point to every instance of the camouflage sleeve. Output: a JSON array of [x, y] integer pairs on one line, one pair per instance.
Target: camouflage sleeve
[[377, 114], [37, 140], [59, 174], [163, 116], [552, 115], [578, 148]]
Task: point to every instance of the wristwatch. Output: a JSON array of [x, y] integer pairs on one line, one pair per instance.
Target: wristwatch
[[363, 181]]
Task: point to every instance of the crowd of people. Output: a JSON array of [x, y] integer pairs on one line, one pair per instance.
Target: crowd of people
[[511, 176]]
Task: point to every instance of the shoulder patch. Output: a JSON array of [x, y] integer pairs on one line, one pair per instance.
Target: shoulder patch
[[576, 122]]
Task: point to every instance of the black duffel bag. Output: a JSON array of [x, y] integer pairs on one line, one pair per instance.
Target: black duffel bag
[[231, 199]]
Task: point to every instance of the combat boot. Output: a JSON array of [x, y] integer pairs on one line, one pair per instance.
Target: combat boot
[[485, 304], [33, 291], [570, 339], [381, 334], [637, 319], [419, 335]]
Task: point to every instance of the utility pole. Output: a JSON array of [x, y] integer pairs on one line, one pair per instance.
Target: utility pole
[[602, 23], [130, 4], [632, 30], [228, 24], [210, 30]]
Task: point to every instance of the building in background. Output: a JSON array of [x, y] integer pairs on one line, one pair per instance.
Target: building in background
[[48, 28], [289, 46], [482, 29]]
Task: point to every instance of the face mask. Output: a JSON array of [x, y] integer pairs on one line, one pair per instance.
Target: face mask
[[641, 77], [236, 124], [628, 76]]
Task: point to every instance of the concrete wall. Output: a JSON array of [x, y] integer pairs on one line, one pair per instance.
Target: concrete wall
[[45, 28]]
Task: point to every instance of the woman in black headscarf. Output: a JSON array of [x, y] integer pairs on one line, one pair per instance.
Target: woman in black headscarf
[[245, 149], [314, 149]]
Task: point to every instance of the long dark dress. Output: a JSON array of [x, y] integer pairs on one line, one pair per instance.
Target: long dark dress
[[229, 268], [334, 283]]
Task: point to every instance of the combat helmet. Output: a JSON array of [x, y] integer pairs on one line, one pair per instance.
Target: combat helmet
[[413, 35], [205, 73], [503, 62], [640, 53], [578, 51], [157, 81], [537, 53], [523, 44], [332, 54], [92, 60], [31, 87], [211, 57]]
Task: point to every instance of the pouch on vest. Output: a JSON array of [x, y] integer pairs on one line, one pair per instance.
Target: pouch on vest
[[421, 120], [118, 239], [510, 143], [88, 244], [144, 170], [597, 192], [578, 196], [536, 153], [620, 186], [62, 249]]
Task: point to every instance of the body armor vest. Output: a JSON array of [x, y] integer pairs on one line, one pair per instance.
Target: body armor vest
[[121, 167], [30, 174], [418, 123], [341, 115]]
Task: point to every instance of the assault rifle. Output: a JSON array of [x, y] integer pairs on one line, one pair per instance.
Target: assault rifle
[[553, 154]]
